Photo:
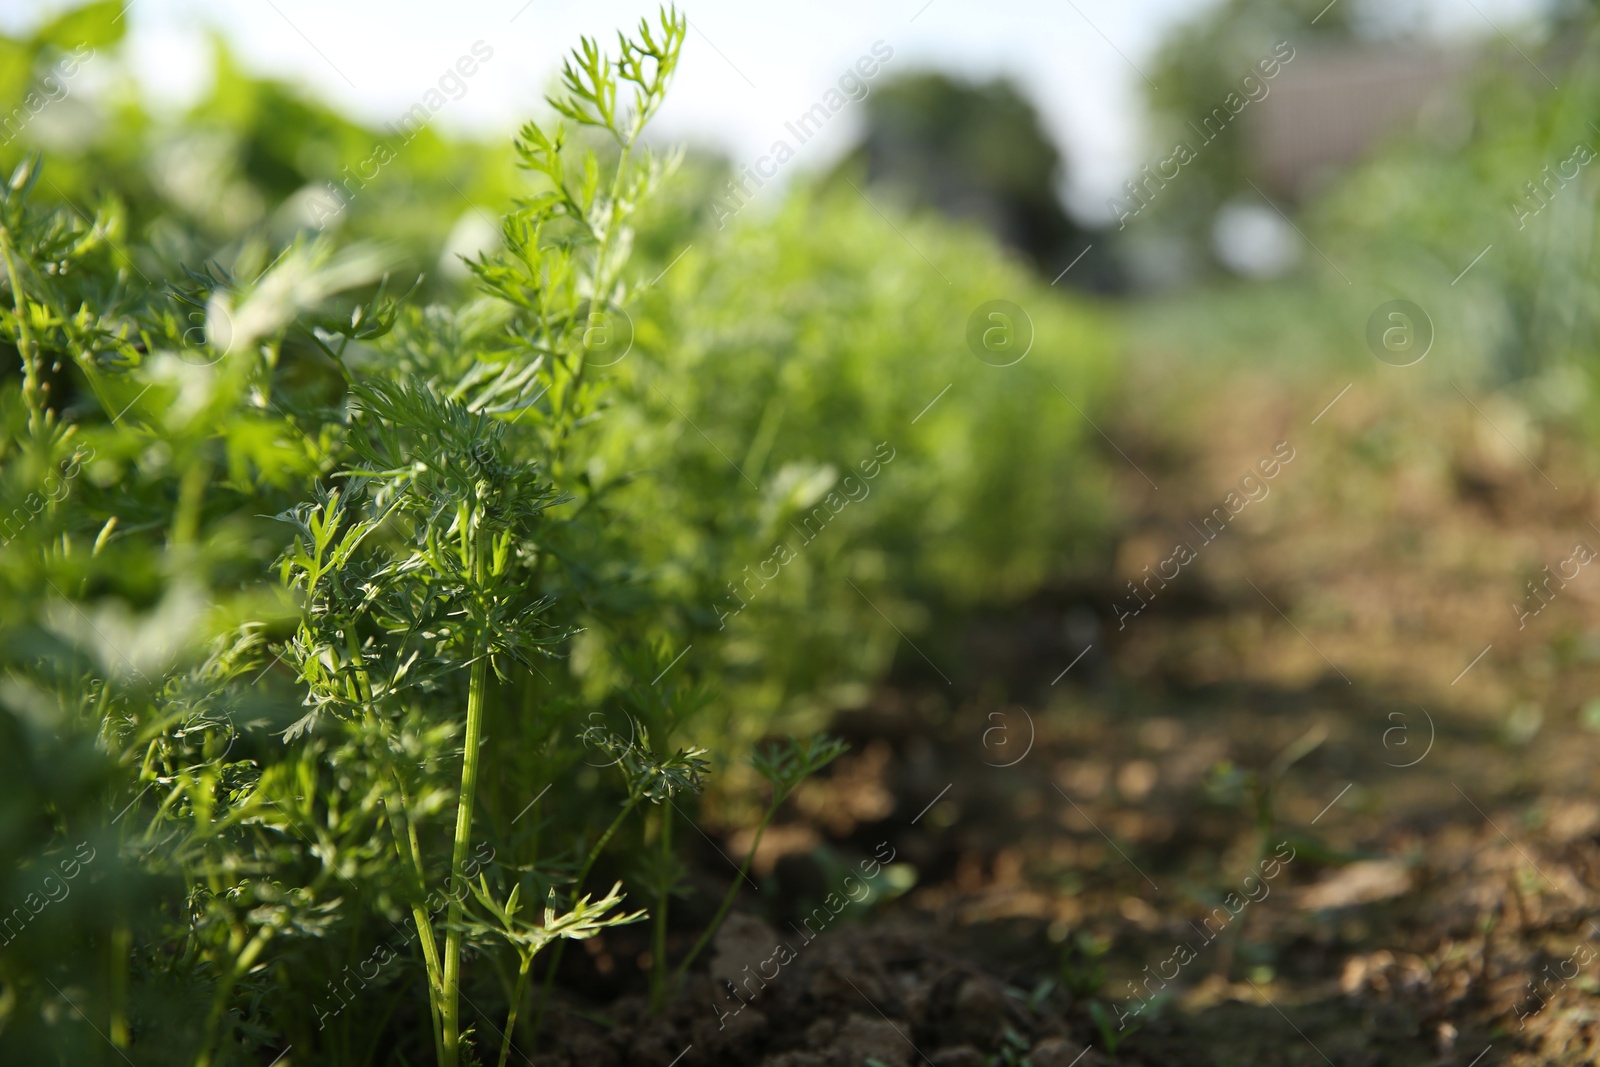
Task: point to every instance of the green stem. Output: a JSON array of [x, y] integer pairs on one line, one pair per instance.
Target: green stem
[[121, 947], [604, 285], [404, 834], [219, 1003], [191, 496], [458, 855], [516, 1003], [409, 850], [727, 900], [27, 344], [658, 943], [577, 890], [406, 845]]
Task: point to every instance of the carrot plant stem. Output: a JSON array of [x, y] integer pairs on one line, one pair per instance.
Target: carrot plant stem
[[409, 849], [458, 856], [727, 900], [658, 944], [121, 948], [516, 1003], [577, 890], [404, 834], [27, 345], [219, 1003]]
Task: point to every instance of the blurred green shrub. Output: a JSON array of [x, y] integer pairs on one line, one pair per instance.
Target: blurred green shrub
[[783, 357], [1507, 182]]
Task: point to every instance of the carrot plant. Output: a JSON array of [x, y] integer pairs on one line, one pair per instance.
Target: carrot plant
[[460, 539], [452, 545]]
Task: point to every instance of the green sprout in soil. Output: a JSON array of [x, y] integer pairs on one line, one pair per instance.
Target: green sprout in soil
[[1111, 1037]]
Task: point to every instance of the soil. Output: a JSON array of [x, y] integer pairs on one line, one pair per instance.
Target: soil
[[1343, 759]]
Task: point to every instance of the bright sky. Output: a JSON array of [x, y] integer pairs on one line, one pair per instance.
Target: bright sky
[[747, 67]]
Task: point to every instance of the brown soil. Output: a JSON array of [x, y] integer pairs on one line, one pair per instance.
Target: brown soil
[[1301, 718]]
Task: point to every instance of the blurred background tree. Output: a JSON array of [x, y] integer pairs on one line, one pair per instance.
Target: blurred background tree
[[977, 152]]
